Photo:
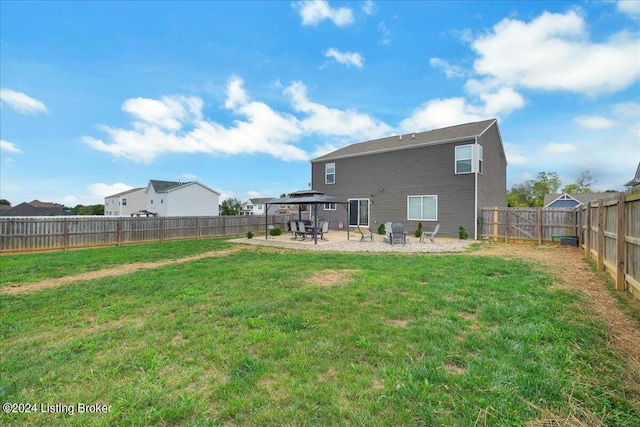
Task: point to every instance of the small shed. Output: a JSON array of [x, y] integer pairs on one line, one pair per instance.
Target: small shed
[[306, 197]]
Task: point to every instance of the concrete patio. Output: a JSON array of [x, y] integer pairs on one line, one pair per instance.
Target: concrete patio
[[337, 241]]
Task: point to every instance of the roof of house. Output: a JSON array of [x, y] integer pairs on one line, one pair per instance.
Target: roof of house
[[38, 204], [635, 180], [27, 209], [123, 193], [411, 140], [582, 198], [260, 200], [166, 186]]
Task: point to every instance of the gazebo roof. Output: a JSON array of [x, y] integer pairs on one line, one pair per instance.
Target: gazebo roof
[[305, 197]]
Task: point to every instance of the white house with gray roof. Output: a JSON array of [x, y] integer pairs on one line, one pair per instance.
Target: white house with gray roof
[[443, 176], [170, 198], [126, 202]]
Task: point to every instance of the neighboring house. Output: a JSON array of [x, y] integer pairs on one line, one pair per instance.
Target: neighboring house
[[444, 176], [256, 206], [126, 202], [40, 209], [571, 200], [636, 179], [168, 198]]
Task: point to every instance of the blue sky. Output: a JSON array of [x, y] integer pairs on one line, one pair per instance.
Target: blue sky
[[100, 97]]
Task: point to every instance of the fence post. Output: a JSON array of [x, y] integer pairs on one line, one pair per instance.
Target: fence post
[[507, 228], [161, 229], [65, 234], [601, 234], [495, 224], [587, 231], [119, 231], [621, 245], [539, 225], [197, 227]]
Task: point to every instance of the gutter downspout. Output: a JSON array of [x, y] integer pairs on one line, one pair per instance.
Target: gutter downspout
[[475, 211]]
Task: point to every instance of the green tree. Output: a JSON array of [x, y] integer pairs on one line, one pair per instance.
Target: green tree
[[531, 192], [583, 184], [545, 183], [5, 202], [520, 195], [230, 207]]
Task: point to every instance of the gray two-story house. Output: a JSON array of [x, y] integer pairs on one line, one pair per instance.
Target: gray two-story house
[[443, 176]]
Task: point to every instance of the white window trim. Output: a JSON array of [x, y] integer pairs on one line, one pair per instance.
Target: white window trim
[[326, 173], [329, 208], [435, 196], [477, 159]]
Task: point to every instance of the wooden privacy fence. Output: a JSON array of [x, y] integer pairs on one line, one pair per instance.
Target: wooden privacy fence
[[610, 234], [22, 234], [607, 229], [528, 224]]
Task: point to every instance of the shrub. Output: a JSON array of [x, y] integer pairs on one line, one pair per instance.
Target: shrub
[[381, 230], [275, 231], [462, 233], [249, 235], [418, 232]]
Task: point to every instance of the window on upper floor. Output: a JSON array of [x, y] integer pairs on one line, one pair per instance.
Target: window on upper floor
[[330, 173], [422, 208], [469, 158], [124, 202]]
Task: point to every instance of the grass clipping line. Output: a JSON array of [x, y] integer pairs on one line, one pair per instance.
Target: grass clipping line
[[108, 272]]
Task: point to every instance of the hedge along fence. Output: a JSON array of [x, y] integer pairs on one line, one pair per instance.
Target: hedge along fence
[[25, 234], [608, 229]]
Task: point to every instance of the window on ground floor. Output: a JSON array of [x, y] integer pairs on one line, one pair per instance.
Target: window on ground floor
[[422, 208], [359, 212], [329, 206]]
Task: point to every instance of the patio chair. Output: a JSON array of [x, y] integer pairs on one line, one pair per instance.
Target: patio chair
[[302, 229], [430, 234], [387, 232], [365, 234], [293, 225], [324, 229], [397, 233]]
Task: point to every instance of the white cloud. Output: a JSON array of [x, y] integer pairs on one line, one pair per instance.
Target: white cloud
[[167, 113], [176, 125], [100, 190], [334, 122], [514, 154], [504, 101], [629, 7], [180, 128], [386, 35], [553, 52], [557, 148], [369, 7], [450, 70], [627, 109], [9, 147], [594, 122], [441, 113], [346, 58], [315, 11], [188, 177], [21, 102]]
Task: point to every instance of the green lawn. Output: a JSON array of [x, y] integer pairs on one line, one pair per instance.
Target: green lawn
[[259, 337]]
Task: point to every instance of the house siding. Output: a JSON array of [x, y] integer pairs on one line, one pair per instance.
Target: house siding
[[386, 179], [191, 200], [492, 182]]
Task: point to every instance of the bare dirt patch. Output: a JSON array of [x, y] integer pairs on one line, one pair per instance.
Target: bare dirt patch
[[109, 272], [573, 272], [328, 278]]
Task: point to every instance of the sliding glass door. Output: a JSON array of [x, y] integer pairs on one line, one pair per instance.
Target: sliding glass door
[[359, 212]]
